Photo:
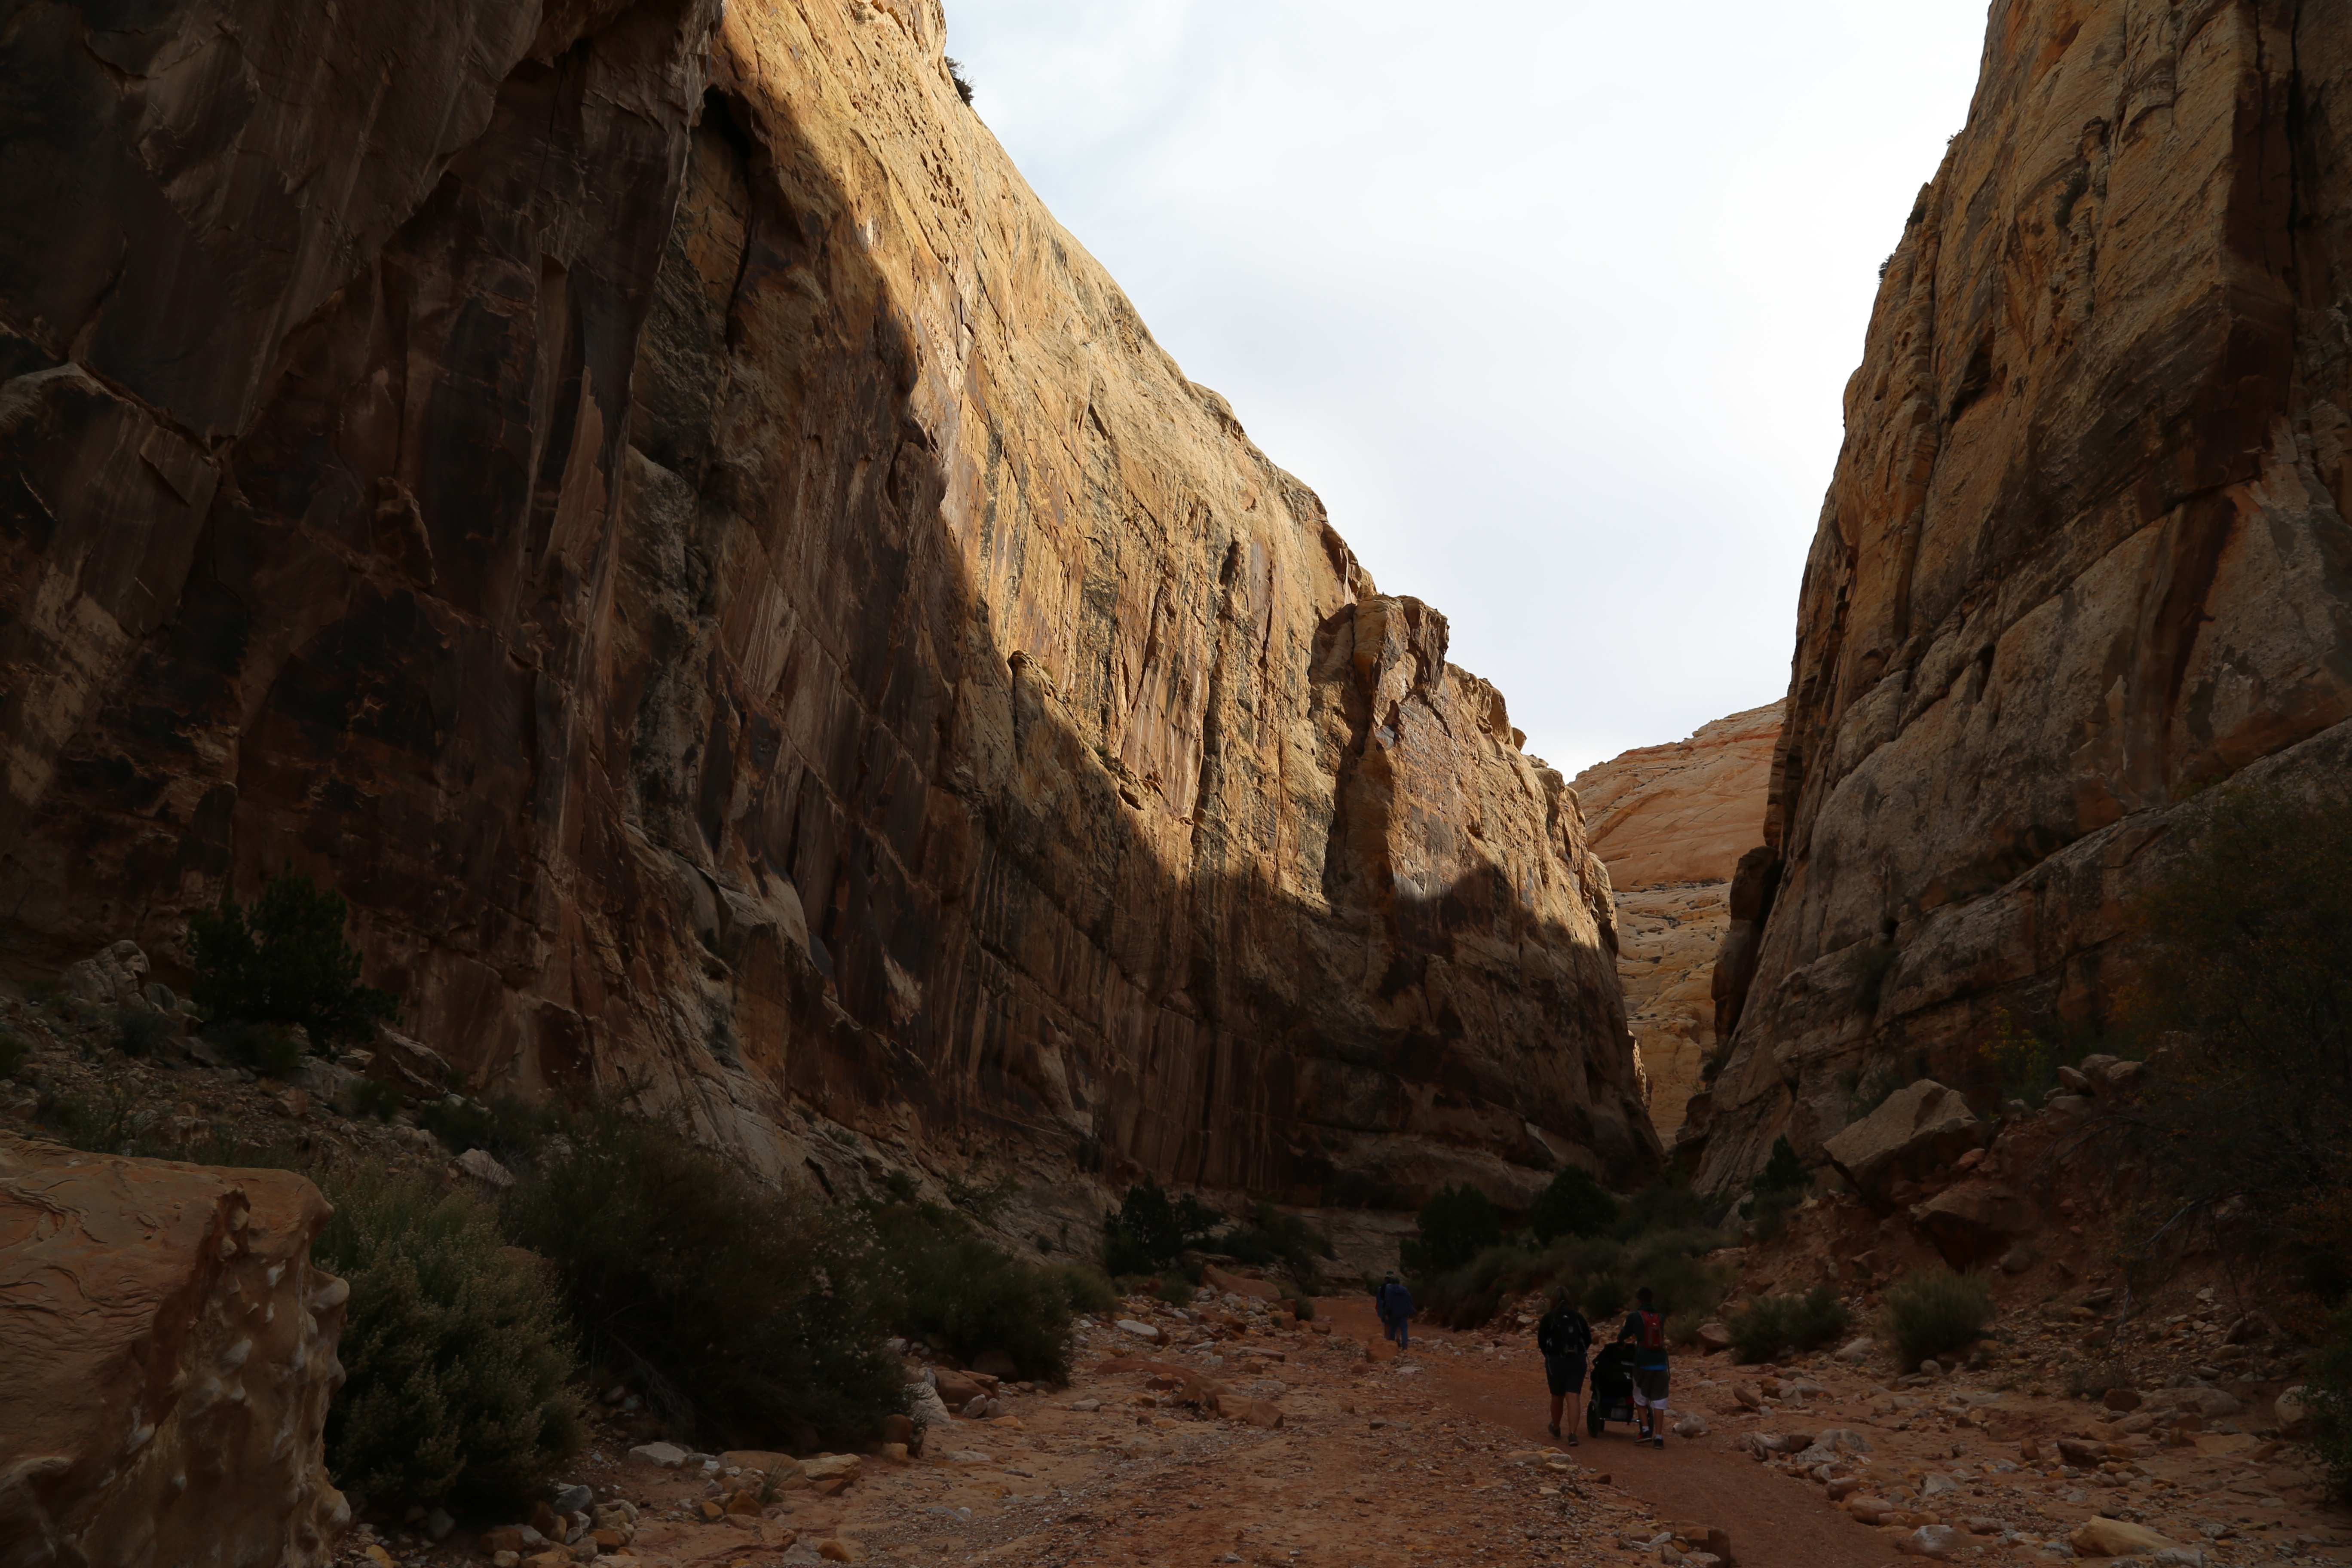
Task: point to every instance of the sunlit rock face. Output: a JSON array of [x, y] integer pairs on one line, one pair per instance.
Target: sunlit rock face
[[652, 507], [1670, 822], [2085, 551]]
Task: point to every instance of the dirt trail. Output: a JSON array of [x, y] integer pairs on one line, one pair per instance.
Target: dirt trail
[[1773, 1523]]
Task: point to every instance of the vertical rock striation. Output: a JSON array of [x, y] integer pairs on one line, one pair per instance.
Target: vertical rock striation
[[1670, 823], [2085, 549], [655, 509]]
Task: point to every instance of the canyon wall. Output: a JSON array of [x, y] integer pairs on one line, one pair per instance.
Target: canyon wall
[[2085, 551], [1670, 822], [652, 507]]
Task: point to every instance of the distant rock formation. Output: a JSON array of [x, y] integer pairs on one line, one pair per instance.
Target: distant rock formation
[[1669, 822], [655, 511], [168, 1351], [2085, 551]]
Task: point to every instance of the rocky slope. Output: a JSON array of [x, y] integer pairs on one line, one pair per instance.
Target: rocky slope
[[654, 509], [2085, 551], [1670, 822]]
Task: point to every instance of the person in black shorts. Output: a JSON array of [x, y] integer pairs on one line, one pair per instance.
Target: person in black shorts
[[1564, 1337], [1646, 1330]]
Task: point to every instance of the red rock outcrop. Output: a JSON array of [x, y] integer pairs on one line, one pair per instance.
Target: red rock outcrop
[[656, 513], [168, 1351], [1670, 822], [2085, 549]]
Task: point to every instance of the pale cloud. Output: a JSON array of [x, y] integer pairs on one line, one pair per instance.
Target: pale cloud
[[1553, 304]]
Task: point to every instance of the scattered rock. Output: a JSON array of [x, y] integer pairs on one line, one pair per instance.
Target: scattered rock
[[1853, 1352], [1087, 1405], [1692, 1425], [2293, 1409], [840, 1549], [480, 1165], [1939, 1542], [1713, 1337], [2121, 1399], [111, 977], [1140, 1330], [2103, 1537], [668, 1455]]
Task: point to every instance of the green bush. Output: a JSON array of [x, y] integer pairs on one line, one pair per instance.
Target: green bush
[[458, 1358], [1769, 1326], [2328, 1377], [1767, 1212], [1149, 1229], [369, 1096], [269, 1050], [1452, 1227], [1661, 1208], [1088, 1290], [748, 1316], [288, 963], [14, 1054], [1784, 1172], [1571, 1204], [961, 1292], [139, 1031], [1276, 1237], [510, 1128], [1933, 1312], [1302, 1305]]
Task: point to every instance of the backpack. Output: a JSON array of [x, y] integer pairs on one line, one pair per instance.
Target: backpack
[[1650, 1331], [1567, 1331]]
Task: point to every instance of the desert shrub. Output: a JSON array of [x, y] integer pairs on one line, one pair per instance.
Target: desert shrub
[[1467, 1296], [1663, 1207], [458, 1357], [1767, 1212], [1452, 1227], [1933, 1312], [1571, 1204], [2090, 1378], [959, 1291], [140, 1031], [1769, 1325], [1088, 1290], [1302, 1305], [2246, 960], [744, 1313], [368, 1097], [286, 963], [1150, 1228], [1784, 1172], [1276, 1238], [955, 75], [1175, 1289], [510, 1129], [103, 1122], [267, 1049], [2329, 1377], [14, 1054]]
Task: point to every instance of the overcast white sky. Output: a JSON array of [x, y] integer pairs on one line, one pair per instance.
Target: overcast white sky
[[1552, 301]]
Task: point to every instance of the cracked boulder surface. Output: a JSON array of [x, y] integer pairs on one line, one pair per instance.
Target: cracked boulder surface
[[654, 510], [2084, 552]]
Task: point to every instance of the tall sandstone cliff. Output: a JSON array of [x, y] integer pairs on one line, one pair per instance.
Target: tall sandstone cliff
[[2085, 550], [1670, 823], [650, 505]]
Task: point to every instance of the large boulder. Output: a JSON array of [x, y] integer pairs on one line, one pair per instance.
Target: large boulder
[[114, 976], [1918, 1130], [1974, 1222], [168, 1351]]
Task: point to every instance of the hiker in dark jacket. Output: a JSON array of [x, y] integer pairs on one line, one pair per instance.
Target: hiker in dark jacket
[[1646, 1330], [1564, 1338], [1394, 1304]]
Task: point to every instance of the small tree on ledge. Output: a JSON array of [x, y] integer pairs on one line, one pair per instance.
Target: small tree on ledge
[[286, 963]]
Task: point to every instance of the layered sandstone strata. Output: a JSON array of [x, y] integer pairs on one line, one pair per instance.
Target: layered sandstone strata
[[655, 511], [2085, 549], [1670, 822], [168, 1351]]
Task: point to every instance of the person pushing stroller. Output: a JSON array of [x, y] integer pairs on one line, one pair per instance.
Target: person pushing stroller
[[1645, 1332]]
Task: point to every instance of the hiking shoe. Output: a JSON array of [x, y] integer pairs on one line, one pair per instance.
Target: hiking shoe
[[1657, 1442], [1555, 1428], [1572, 1440]]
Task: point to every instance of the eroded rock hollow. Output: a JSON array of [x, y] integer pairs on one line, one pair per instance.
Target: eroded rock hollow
[[2085, 551], [654, 509]]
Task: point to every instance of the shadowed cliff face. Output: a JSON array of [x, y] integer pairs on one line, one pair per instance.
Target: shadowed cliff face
[[738, 601], [2085, 551]]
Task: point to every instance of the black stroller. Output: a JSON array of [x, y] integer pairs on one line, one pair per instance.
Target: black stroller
[[1611, 1394]]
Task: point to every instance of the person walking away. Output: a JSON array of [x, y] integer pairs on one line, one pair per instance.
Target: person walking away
[[1564, 1338], [1395, 1303], [1646, 1330]]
